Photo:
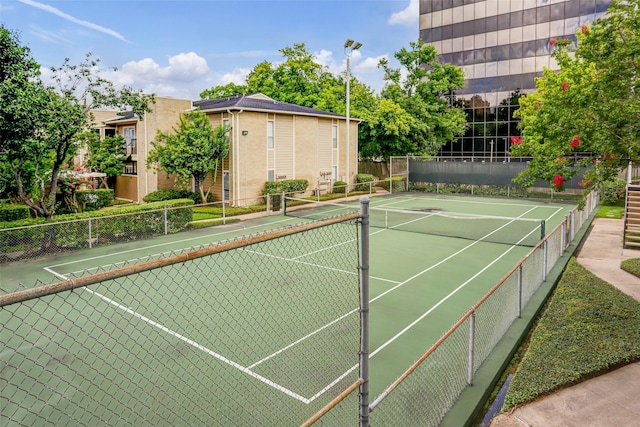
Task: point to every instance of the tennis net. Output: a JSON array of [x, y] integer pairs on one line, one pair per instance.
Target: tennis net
[[494, 229]]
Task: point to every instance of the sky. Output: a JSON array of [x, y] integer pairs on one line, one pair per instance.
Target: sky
[[178, 48]]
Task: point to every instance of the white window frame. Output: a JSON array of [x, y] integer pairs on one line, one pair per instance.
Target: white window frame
[[334, 136], [271, 175], [271, 142]]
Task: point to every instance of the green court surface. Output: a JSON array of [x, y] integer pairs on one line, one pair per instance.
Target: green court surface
[[267, 334]]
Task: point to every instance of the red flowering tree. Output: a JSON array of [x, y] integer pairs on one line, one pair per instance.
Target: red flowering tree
[[588, 112]]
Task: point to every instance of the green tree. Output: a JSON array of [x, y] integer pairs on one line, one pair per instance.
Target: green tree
[[107, 156], [19, 121], [420, 88], [193, 150], [49, 118], [587, 114], [230, 89]]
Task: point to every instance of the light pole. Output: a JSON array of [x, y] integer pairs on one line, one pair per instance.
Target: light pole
[[349, 47]]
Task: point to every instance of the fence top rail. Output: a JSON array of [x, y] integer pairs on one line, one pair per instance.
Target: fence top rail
[[70, 284]]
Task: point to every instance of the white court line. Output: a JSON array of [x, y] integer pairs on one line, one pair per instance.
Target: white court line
[[192, 343], [248, 371], [428, 311]]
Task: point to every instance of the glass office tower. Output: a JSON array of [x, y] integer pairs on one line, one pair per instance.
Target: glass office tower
[[501, 45]]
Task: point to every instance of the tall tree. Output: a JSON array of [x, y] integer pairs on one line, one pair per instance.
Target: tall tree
[[230, 89], [193, 150], [586, 115], [49, 118], [107, 156], [22, 107], [420, 89]]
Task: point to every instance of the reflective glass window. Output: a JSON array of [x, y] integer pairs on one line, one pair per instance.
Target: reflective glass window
[[467, 57], [587, 7], [571, 9], [556, 11], [480, 25], [542, 47], [516, 18], [425, 6], [425, 36], [529, 17], [504, 21], [457, 3], [515, 50], [542, 14], [458, 29], [528, 49], [447, 32], [491, 23]]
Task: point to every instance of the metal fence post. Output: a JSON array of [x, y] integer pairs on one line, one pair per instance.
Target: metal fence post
[[520, 291], [472, 339], [166, 222], [90, 244], [364, 311]]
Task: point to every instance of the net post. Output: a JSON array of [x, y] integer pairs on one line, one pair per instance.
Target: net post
[[284, 206], [542, 229], [364, 311]]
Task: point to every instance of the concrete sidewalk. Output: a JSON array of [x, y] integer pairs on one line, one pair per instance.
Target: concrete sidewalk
[[612, 399]]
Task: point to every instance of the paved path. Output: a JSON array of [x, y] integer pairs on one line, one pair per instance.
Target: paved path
[[612, 399]]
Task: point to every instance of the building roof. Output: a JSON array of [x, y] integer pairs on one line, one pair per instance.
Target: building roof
[[125, 116], [259, 102]]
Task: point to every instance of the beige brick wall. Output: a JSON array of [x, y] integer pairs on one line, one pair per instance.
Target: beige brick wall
[[303, 149]]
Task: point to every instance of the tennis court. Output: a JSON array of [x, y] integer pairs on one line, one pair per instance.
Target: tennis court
[[265, 333]]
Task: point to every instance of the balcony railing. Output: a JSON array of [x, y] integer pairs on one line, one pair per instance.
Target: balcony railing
[[131, 146]]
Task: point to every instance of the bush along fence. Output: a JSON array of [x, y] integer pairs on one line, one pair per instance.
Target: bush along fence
[[30, 238]]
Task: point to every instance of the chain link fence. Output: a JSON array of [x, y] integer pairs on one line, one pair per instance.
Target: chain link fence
[[424, 394], [267, 329], [260, 330]]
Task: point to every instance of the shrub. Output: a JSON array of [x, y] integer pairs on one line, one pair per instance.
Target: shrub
[[65, 232], [613, 191], [92, 200], [339, 187], [398, 183], [363, 181], [10, 212], [285, 186], [171, 194]]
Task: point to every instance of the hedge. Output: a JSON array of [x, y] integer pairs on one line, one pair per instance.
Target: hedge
[[171, 194], [285, 186], [398, 184], [363, 181], [68, 232], [13, 212], [92, 200]]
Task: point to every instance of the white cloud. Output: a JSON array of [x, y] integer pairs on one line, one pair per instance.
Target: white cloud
[[182, 67], [408, 16], [73, 19], [369, 65], [238, 76]]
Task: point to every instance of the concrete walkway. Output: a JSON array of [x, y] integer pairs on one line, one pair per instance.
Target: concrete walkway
[[612, 399]]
